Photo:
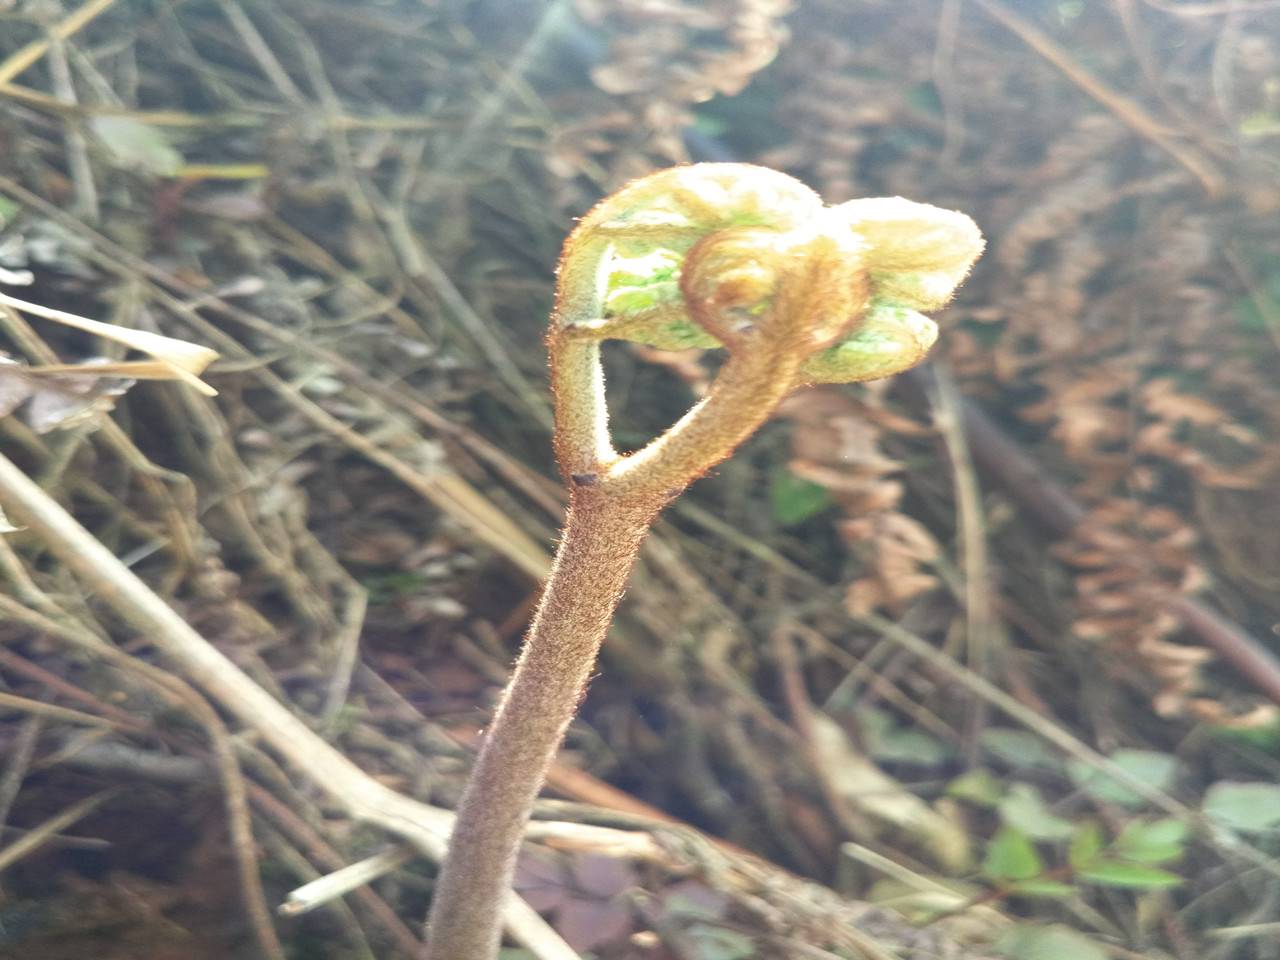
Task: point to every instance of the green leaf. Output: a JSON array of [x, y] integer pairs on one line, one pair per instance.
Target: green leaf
[[7, 209], [873, 723], [137, 146], [795, 499], [889, 339], [1249, 316], [1154, 841], [637, 299], [716, 943], [1155, 769], [885, 739], [1133, 876], [1248, 807], [693, 901], [1265, 736], [1086, 843], [1260, 124], [924, 97], [979, 787], [1028, 942], [1023, 810], [1043, 888], [1011, 856], [1068, 10], [710, 126], [911, 746], [1020, 749], [921, 903]]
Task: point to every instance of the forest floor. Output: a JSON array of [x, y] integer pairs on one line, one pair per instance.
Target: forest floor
[[978, 662]]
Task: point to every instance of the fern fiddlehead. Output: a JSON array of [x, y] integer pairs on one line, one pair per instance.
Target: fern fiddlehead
[[708, 255]]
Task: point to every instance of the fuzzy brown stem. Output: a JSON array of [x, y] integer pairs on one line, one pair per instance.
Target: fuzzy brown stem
[[582, 418], [601, 539], [743, 397]]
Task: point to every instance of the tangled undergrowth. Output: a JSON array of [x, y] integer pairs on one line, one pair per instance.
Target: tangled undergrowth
[[893, 648]]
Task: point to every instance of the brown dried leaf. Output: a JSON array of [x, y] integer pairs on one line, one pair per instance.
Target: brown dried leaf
[[65, 400], [542, 882], [587, 924], [601, 876], [15, 387], [857, 781], [1136, 558], [1161, 399]]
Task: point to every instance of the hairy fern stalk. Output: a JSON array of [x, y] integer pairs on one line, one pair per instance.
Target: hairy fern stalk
[[709, 255]]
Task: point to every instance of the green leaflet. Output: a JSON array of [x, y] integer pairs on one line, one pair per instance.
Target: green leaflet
[[642, 302], [890, 338]]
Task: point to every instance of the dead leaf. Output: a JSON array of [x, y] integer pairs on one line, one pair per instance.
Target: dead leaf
[[173, 359], [870, 791], [5, 525], [65, 400], [136, 146]]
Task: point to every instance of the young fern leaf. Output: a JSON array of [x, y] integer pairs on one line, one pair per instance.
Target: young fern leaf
[[709, 255]]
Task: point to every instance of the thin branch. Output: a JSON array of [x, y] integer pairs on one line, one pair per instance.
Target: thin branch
[[346, 880], [20, 751], [747, 390], [33, 839], [20, 59]]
